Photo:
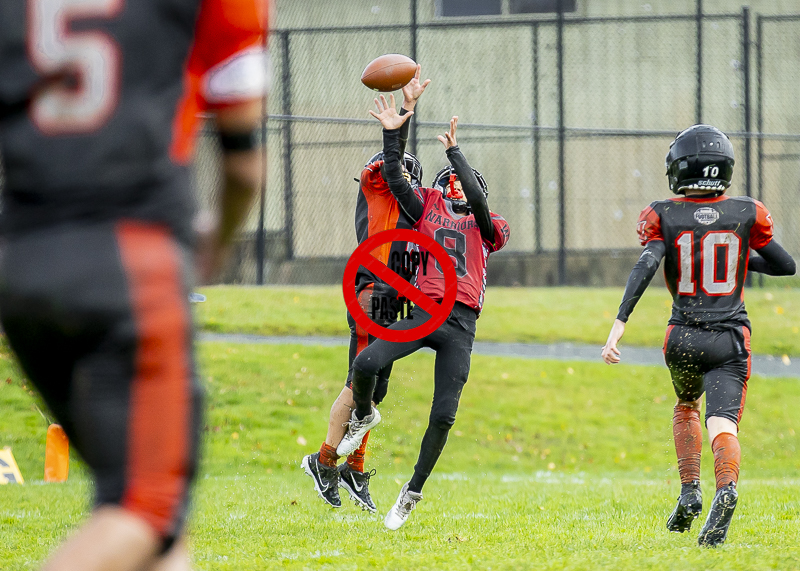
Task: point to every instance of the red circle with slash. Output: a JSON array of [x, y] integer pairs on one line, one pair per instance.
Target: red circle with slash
[[363, 257]]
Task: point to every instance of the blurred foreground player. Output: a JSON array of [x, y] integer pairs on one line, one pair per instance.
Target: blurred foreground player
[[705, 238], [98, 107], [376, 211], [456, 214]]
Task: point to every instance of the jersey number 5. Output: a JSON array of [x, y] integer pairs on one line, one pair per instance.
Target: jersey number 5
[[710, 245], [83, 67]]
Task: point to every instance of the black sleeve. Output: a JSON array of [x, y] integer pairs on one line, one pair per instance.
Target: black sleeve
[[404, 129], [772, 260], [393, 175], [472, 190], [640, 277]]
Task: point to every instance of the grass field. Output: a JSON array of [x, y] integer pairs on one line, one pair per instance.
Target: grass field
[[551, 465], [541, 315]]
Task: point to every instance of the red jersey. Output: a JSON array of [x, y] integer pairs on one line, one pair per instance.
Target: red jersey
[[461, 237]]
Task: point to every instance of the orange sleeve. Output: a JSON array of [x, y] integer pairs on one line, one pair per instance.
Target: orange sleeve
[[761, 232], [649, 226], [372, 180], [227, 65]]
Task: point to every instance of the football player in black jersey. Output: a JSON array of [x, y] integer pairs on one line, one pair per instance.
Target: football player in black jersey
[[99, 104], [705, 238]]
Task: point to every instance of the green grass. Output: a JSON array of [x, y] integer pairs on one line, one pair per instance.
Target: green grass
[[541, 315], [551, 465]]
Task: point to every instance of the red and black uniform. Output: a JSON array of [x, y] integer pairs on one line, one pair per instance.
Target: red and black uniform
[[377, 210], [706, 243], [98, 108], [469, 238]]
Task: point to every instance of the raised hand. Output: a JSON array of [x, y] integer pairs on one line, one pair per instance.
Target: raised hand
[[388, 115], [449, 139], [413, 90]]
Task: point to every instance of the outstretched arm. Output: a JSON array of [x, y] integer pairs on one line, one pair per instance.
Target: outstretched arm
[[412, 91], [469, 182], [772, 260], [640, 278], [393, 158]]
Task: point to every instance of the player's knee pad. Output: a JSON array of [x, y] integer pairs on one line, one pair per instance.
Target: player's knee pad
[[442, 419], [364, 366]]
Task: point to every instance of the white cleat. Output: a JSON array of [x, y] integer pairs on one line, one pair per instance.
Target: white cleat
[[402, 508], [356, 429]]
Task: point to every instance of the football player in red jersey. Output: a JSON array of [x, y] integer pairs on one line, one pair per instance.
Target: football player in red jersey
[[458, 218], [99, 102], [705, 238], [376, 211]]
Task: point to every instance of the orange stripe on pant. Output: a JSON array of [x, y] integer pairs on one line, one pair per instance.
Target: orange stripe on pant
[[746, 334], [666, 338], [159, 439]]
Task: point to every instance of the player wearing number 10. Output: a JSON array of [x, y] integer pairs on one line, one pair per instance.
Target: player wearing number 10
[[705, 239]]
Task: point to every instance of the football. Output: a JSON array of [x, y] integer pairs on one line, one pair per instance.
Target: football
[[389, 72]]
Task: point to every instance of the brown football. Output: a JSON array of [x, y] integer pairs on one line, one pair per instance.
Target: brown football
[[389, 72]]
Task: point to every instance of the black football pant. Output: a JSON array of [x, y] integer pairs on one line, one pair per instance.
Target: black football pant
[[360, 339], [715, 362], [452, 342], [98, 316]]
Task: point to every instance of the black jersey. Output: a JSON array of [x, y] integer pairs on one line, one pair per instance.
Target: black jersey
[[97, 105], [708, 242], [377, 210]]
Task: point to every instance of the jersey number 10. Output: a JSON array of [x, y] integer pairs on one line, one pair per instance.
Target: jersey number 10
[[90, 58], [712, 245]]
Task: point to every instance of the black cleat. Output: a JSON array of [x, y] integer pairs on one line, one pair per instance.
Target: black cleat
[[690, 504], [357, 485], [719, 517], [326, 479]]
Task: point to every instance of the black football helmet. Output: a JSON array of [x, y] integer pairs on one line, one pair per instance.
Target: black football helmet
[[701, 157], [412, 168], [444, 179]]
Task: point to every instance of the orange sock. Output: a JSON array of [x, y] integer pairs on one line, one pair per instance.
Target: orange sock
[[688, 434], [727, 456], [356, 459], [328, 455]]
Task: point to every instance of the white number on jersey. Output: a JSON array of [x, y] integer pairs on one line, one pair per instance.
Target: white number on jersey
[[710, 245], [91, 57]]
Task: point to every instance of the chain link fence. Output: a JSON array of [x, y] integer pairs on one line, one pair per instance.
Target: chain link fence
[[568, 117]]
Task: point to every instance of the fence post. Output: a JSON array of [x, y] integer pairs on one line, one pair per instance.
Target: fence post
[[537, 189], [562, 195], [760, 114], [286, 104], [747, 117], [414, 28], [261, 237], [699, 101], [747, 122]]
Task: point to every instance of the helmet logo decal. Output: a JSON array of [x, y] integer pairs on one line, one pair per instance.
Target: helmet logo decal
[[407, 176], [706, 215]]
